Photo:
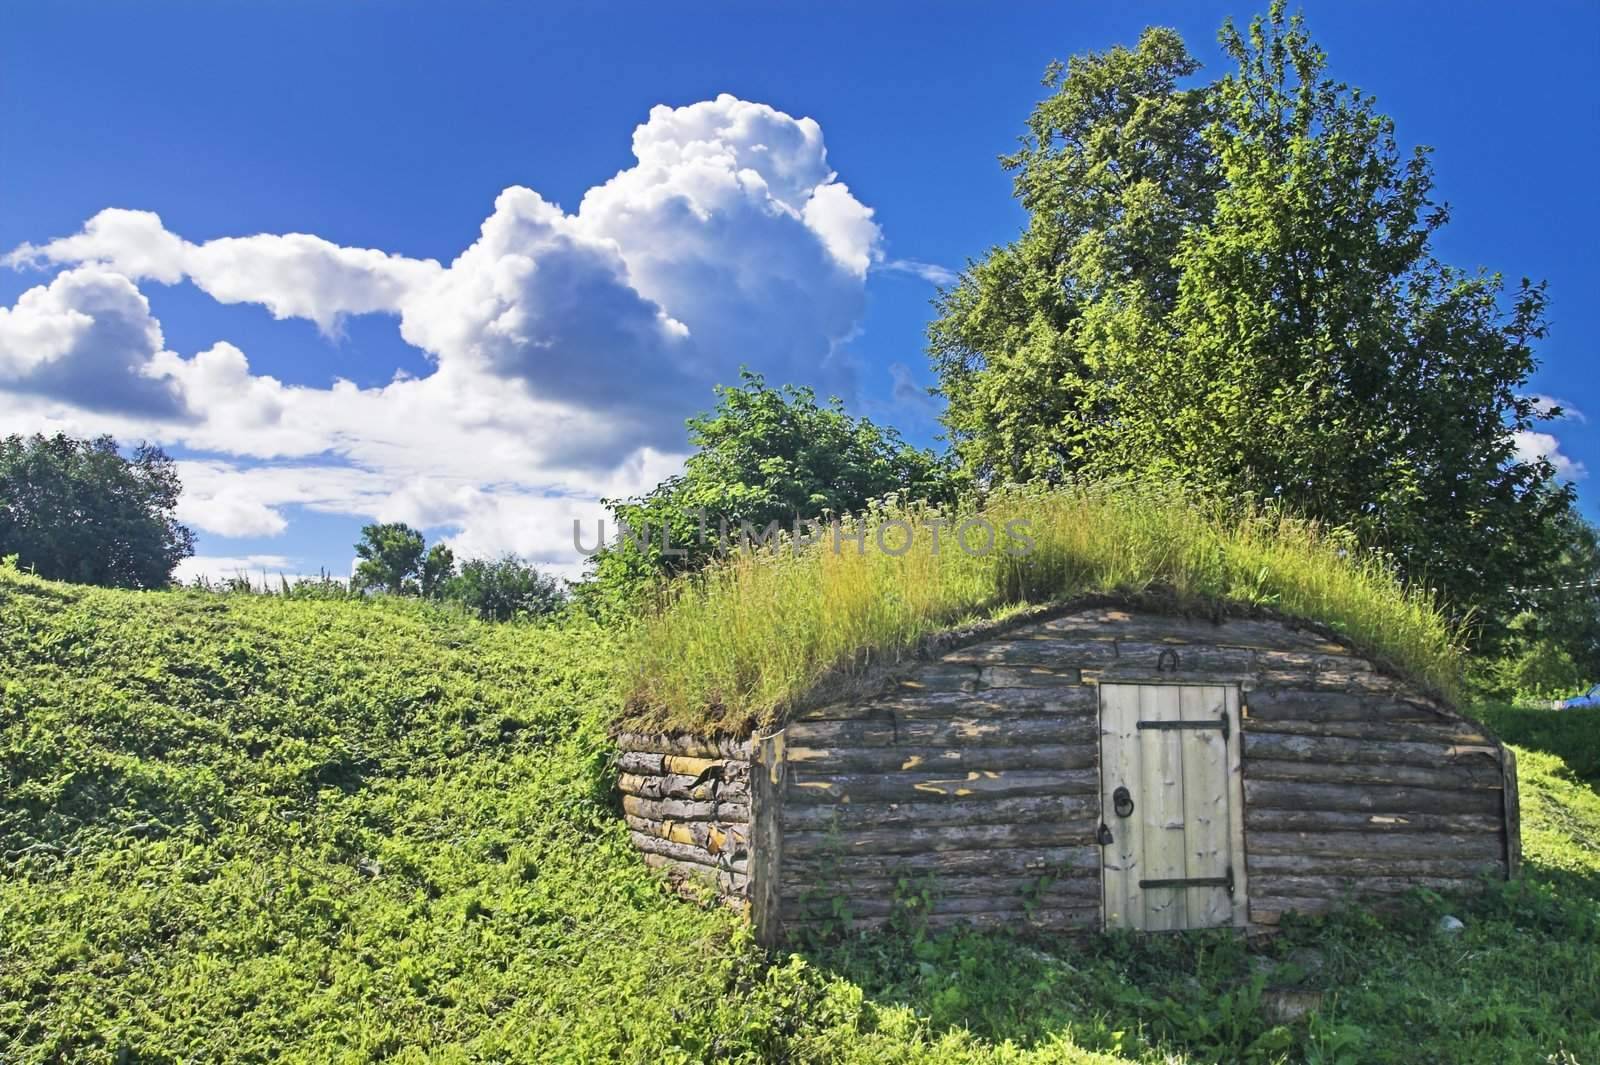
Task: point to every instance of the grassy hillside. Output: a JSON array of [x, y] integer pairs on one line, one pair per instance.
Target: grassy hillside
[[245, 829]]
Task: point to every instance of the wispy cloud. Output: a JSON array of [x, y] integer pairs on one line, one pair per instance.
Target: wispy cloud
[[1549, 406], [932, 273]]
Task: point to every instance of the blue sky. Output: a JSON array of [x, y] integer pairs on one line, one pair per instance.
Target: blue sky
[[395, 128]]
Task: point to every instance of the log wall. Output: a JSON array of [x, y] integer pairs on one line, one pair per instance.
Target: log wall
[[687, 804], [967, 790]]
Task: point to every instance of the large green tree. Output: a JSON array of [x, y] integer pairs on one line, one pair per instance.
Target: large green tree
[[764, 459], [77, 510], [1230, 286]]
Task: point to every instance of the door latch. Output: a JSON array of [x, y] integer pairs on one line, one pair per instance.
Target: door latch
[[1122, 801]]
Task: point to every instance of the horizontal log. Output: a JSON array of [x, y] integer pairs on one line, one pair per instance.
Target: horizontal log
[[666, 848], [900, 758], [724, 881], [1044, 919], [984, 859], [1244, 633], [642, 763], [1190, 658], [1026, 676], [1372, 752], [853, 815], [1311, 661], [1063, 893], [686, 810], [681, 787], [1373, 798], [1270, 910], [1351, 681], [919, 840], [1473, 774], [683, 743], [1061, 885], [1389, 866], [1062, 700], [1440, 731], [668, 787], [1337, 887], [938, 677], [652, 765], [715, 839], [1268, 820], [1038, 649], [960, 730], [1373, 844], [809, 786], [1298, 704]]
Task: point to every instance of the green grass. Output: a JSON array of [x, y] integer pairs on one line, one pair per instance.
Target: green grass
[[1571, 735], [743, 643], [244, 829]]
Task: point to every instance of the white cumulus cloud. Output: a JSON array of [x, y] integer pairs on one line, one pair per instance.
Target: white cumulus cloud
[[567, 347], [1532, 446]]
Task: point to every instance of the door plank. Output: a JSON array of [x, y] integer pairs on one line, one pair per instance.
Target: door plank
[[1160, 808], [1236, 856], [1120, 766], [1205, 806]]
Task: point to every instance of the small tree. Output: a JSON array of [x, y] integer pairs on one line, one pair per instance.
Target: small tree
[[505, 589], [391, 558], [77, 510]]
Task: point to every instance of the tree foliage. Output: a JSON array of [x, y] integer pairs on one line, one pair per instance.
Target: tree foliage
[[1231, 287], [391, 558], [504, 589], [763, 456], [396, 559], [77, 510], [1553, 646]]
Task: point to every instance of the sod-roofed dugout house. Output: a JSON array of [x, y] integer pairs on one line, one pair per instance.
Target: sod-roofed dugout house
[[1096, 766]]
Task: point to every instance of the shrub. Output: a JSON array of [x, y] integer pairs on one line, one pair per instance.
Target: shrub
[[505, 589], [1571, 735]]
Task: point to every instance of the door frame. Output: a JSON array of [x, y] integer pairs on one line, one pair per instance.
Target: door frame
[[1233, 686]]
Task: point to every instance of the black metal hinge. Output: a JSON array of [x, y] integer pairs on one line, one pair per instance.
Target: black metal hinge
[[1174, 726], [1193, 881]]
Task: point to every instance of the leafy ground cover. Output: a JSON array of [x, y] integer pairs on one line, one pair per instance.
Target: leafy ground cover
[[238, 828]]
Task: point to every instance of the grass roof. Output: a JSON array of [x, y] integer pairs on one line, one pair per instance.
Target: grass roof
[[748, 641]]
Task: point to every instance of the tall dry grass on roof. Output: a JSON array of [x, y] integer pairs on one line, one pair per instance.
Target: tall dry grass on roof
[[739, 644]]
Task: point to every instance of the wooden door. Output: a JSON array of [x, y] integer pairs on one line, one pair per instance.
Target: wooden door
[[1172, 835]]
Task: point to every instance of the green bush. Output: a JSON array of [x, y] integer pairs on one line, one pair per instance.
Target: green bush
[[1571, 735]]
